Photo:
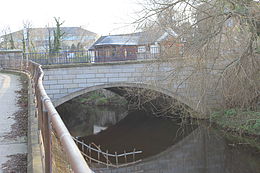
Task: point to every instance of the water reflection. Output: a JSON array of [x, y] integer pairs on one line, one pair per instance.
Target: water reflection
[[167, 147], [141, 131], [202, 151], [83, 120]]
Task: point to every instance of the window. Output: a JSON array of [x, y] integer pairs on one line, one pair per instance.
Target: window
[[141, 49], [113, 52], [154, 49], [125, 52], [183, 39]]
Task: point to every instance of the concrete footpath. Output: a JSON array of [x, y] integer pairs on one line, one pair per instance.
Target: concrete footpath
[[9, 84]]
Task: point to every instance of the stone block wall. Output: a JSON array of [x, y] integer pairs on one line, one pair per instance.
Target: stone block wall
[[65, 82]]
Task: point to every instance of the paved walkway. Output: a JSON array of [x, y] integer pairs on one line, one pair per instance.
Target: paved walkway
[[9, 146]]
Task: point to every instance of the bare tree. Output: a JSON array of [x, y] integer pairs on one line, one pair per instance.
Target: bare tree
[[58, 34], [221, 38], [7, 41], [26, 38]]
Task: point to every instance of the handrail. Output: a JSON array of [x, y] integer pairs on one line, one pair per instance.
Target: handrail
[[47, 115], [76, 159]]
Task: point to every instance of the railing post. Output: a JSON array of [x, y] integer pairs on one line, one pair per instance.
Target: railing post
[[125, 157], [83, 147], [99, 153], [116, 158], [77, 142], [40, 109], [134, 155], [107, 158], [47, 139], [90, 153]]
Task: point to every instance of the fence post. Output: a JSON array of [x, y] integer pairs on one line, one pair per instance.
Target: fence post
[[90, 153], [77, 142], [107, 158], [39, 108], [125, 157], [83, 147], [47, 139], [134, 155], [116, 159], [99, 154]]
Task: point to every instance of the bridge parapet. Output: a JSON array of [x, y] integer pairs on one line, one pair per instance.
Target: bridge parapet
[[63, 83], [11, 59]]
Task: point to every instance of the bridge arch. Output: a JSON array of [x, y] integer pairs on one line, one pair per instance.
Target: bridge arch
[[167, 92]]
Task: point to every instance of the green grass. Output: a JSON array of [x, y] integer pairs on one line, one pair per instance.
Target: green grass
[[102, 101], [237, 120], [90, 98], [99, 99]]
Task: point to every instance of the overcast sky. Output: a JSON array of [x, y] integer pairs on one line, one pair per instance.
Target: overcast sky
[[99, 16]]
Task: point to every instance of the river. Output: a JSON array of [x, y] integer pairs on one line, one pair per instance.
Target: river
[[167, 145]]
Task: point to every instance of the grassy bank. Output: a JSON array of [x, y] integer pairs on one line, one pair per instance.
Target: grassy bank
[[243, 122], [100, 98], [241, 125], [60, 161]]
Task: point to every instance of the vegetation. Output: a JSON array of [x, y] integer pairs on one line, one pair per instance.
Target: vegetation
[[57, 34], [12, 42], [243, 122], [26, 37], [217, 37], [60, 161], [99, 98]]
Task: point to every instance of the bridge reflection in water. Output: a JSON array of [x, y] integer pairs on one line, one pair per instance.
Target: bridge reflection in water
[[200, 150], [203, 151]]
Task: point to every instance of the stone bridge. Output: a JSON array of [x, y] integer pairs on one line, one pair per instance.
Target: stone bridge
[[65, 82], [175, 78]]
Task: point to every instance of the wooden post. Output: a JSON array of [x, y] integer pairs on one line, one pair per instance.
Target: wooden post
[[77, 143], [47, 139], [90, 153], [107, 158], [40, 111], [50, 141], [99, 154], [83, 147], [134, 155], [125, 157], [116, 159]]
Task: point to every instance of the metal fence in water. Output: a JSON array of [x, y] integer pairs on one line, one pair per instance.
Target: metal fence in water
[[94, 154]]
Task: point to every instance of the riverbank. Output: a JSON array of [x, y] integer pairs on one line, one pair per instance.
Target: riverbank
[[102, 98], [239, 125]]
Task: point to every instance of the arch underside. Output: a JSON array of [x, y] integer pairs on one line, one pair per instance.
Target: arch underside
[[167, 92]]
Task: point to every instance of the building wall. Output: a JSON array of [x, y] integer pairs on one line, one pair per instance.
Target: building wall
[[39, 38], [115, 53]]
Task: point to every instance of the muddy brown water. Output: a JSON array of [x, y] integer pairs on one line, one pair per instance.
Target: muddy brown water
[[168, 145]]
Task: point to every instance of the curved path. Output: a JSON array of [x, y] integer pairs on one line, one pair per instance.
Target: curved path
[[9, 144]]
